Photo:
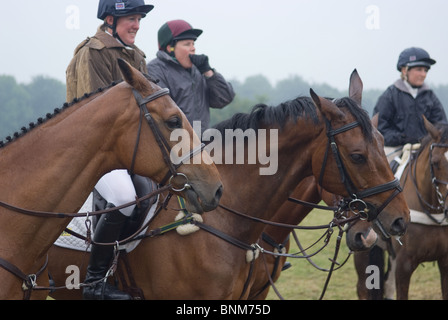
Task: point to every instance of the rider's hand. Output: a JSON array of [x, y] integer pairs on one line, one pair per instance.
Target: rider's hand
[[201, 62]]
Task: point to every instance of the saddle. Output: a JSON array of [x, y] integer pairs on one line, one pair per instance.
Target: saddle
[[143, 186]]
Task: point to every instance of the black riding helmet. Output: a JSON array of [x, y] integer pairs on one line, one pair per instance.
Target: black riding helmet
[[121, 8], [414, 57]]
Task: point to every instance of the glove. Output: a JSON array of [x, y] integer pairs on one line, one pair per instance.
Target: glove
[[201, 62]]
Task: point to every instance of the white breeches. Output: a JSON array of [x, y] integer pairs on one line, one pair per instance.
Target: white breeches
[[117, 188]]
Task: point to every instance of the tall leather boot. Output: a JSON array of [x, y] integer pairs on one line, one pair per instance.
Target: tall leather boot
[[107, 230]]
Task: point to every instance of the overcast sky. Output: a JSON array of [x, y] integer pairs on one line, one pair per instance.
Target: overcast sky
[[320, 40]]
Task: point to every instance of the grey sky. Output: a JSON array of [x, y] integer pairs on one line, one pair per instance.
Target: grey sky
[[320, 40]]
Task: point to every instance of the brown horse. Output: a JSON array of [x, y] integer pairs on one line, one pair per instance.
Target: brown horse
[[424, 183], [203, 265], [54, 166]]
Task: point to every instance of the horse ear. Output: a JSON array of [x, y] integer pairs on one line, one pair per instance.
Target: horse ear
[[355, 87], [432, 130], [328, 108], [130, 74], [375, 120]]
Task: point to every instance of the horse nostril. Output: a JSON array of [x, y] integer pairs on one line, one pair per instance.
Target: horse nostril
[[398, 227], [218, 194]]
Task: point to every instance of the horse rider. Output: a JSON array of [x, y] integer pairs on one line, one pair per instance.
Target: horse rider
[[193, 84], [94, 66], [402, 105]]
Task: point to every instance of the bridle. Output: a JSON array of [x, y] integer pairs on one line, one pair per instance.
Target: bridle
[[165, 148], [441, 199], [29, 281], [355, 203]]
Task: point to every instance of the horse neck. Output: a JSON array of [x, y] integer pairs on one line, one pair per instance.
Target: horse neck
[[70, 160], [261, 195]]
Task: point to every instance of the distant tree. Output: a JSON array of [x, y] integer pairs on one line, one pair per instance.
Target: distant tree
[[46, 94], [21, 104], [14, 105]]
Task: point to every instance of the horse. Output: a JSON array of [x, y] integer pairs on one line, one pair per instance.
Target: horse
[[359, 234], [212, 263], [424, 181], [53, 165]]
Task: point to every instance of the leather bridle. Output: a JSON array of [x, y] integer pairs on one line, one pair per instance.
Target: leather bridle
[[165, 148], [355, 202]]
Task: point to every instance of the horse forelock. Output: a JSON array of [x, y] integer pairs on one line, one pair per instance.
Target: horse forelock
[[32, 125], [360, 114], [262, 115]]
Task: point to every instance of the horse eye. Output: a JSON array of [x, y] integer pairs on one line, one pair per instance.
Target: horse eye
[[358, 158], [174, 123]]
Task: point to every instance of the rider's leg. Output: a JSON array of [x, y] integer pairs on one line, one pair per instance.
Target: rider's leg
[[115, 186]]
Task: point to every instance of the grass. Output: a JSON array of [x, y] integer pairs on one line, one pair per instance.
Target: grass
[[303, 282]]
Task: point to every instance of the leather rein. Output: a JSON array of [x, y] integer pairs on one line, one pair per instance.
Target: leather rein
[[29, 281]]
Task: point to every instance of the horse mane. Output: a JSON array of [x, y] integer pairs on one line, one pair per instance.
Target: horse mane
[[262, 114], [32, 125]]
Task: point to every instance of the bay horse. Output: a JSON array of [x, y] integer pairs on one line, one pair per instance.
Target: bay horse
[[50, 170], [424, 181], [203, 265]]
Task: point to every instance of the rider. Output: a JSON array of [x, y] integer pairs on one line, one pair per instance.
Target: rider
[[94, 66], [402, 105], [193, 84]]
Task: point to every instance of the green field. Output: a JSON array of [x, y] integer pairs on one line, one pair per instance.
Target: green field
[[303, 282]]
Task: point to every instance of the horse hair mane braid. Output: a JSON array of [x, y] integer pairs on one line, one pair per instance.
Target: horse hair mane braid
[[48, 116]]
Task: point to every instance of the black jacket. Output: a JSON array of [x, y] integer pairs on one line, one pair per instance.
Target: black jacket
[[400, 115]]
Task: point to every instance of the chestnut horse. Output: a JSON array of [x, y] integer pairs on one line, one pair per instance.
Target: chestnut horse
[[203, 265], [424, 183], [52, 168]]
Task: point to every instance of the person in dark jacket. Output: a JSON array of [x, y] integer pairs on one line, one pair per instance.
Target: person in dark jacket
[[402, 105], [193, 84]]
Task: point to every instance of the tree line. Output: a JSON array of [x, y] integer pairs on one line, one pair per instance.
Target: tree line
[[21, 104]]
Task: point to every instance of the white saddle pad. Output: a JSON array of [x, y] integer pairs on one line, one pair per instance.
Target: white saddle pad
[[422, 218], [78, 225]]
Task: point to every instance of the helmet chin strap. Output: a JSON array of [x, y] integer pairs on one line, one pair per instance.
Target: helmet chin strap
[[114, 31]]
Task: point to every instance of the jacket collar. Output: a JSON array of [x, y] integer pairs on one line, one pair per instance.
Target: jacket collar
[[400, 85], [110, 42]]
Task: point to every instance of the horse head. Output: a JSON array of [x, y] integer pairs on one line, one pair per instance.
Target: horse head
[[193, 175], [355, 149]]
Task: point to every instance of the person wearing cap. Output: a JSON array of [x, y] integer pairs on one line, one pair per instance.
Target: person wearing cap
[[95, 66], [401, 106], [193, 84]]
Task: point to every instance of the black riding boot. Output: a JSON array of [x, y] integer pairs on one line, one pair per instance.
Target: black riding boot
[[107, 231]]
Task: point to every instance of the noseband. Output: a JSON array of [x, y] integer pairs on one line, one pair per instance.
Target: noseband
[[366, 210], [165, 148]]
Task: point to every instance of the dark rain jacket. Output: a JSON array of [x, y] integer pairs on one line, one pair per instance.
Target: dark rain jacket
[[400, 115], [193, 93], [94, 64]]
